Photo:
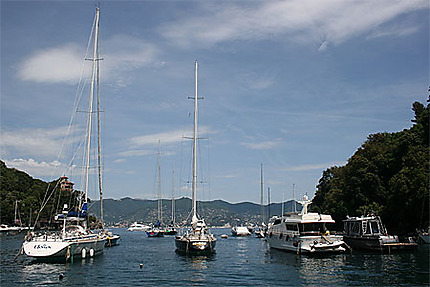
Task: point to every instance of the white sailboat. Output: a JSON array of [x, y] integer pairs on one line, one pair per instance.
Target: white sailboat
[[197, 240], [14, 229], [157, 229], [75, 239]]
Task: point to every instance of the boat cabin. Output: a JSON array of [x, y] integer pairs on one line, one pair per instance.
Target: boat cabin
[[309, 225], [364, 226]]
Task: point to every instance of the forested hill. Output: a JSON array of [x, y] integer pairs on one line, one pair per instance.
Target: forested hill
[[18, 186], [388, 175]]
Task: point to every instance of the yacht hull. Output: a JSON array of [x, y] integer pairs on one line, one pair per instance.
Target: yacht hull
[[307, 244], [378, 243]]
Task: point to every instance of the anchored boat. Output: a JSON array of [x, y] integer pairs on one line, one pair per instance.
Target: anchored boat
[[240, 231], [368, 233], [304, 232], [199, 239], [75, 238]]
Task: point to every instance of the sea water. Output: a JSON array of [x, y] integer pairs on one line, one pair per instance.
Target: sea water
[[239, 261]]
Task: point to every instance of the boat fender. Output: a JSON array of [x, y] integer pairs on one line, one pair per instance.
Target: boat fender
[[84, 253], [280, 235], [68, 252], [91, 252]]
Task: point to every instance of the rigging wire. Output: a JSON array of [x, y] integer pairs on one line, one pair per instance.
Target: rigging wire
[[78, 96]]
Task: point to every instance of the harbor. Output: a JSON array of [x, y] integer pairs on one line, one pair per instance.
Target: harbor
[[248, 143], [238, 261]]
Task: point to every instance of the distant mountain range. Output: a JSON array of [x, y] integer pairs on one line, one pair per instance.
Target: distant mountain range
[[17, 187], [216, 213]]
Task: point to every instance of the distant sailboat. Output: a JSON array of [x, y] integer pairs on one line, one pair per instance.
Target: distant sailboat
[[260, 231], [171, 228], [198, 240], [15, 229], [75, 239], [157, 230]]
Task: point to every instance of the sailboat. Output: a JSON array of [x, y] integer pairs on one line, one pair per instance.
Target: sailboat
[[260, 231], [156, 230], [13, 229], [171, 228], [74, 239], [199, 239]]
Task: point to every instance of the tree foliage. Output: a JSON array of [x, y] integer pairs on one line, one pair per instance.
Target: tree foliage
[[29, 194], [388, 175]]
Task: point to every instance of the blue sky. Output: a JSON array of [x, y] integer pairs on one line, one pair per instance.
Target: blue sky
[[295, 85]]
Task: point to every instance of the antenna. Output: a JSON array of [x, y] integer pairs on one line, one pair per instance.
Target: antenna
[[294, 197]]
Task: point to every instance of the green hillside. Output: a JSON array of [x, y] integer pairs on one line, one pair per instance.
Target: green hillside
[[388, 175]]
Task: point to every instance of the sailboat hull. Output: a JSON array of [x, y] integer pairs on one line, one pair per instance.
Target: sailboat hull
[[51, 248], [195, 245]]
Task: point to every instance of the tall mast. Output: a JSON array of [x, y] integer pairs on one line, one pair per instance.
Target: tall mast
[[90, 110], [294, 197], [268, 202], [173, 197], [194, 184], [16, 208], [160, 204], [99, 149], [261, 194], [282, 206]]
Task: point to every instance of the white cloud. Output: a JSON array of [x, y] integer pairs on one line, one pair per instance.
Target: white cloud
[[263, 145], [306, 167], [166, 137], [53, 65], [124, 54], [34, 142], [133, 153], [297, 20], [65, 64], [35, 168]]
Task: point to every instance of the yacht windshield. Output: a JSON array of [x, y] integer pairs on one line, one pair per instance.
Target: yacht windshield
[[313, 228]]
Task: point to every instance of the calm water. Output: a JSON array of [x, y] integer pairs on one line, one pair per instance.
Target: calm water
[[238, 262]]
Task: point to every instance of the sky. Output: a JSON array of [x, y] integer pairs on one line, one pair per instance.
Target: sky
[[295, 86]]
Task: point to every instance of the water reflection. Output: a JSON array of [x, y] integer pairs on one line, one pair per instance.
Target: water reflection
[[197, 267], [362, 268], [42, 273]]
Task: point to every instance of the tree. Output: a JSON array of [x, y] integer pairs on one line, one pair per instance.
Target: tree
[[388, 175]]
